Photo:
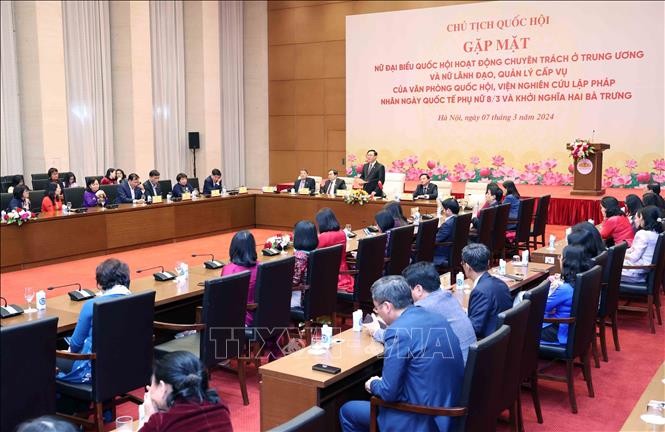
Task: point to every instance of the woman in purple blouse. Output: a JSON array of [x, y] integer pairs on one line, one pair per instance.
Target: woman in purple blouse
[[242, 253], [90, 193]]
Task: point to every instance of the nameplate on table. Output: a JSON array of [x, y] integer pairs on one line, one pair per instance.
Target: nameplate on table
[[215, 192], [340, 193], [186, 196], [269, 189], [406, 197], [303, 191], [157, 199], [242, 190]]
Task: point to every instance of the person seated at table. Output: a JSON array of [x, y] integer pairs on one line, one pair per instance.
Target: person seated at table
[[120, 176], [17, 180], [21, 198], [54, 177], [212, 182], [242, 253], [52, 200], [305, 240], [303, 181], [151, 186], [490, 296], [70, 180], [396, 212], [182, 186], [633, 204], [333, 184], [586, 235], [109, 177], [493, 195], [422, 364], [513, 198], [330, 234], [655, 188], [179, 397], [385, 222], [651, 199], [92, 193], [560, 296], [130, 191], [644, 244], [426, 189], [47, 423], [616, 227], [445, 232]]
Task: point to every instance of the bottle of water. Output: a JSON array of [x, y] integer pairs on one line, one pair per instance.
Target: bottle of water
[[459, 281], [168, 197], [326, 336]]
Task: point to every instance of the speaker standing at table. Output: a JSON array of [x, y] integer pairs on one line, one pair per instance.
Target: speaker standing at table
[[151, 186], [212, 182], [181, 186], [333, 184], [304, 182], [373, 173], [130, 191], [426, 189]]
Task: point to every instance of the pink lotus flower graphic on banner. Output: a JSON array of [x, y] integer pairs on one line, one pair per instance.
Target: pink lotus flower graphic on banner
[[529, 178], [659, 165], [459, 167], [498, 161], [612, 172], [643, 177], [453, 177], [549, 164], [431, 164], [607, 183], [567, 179], [552, 179], [413, 173], [621, 180], [411, 160], [571, 168], [485, 172], [631, 164], [475, 160], [440, 170], [351, 158], [532, 167], [660, 178]]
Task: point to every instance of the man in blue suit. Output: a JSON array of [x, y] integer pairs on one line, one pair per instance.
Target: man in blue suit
[[445, 232], [212, 182], [490, 296], [422, 364], [303, 181], [131, 190]]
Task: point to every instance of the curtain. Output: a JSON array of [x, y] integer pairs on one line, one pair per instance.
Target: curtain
[[11, 152], [87, 40], [233, 120], [168, 87]]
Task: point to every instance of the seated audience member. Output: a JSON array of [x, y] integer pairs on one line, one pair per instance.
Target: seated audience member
[[493, 195], [633, 204], [385, 222], [655, 188], [333, 184], [586, 235], [54, 177], [130, 191], [422, 364], [651, 199], [179, 398], [426, 189], [560, 296], [242, 253], [304, 241], [181, 186], [151, 186], [512, 198], [109, 178], [303, 181], [644, 244], [17, 180], [445, 232], [120, 176], [70, 181], [396, 212], [330, 234], [616, 227], [92, 193], [112, 278], [52, 200], [426, 292], [212, 182], [47, 423], [21, 199], [490, 296]]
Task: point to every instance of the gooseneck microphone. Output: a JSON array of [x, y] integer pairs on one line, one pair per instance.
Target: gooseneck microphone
[[150, 268], [78, 295], [213, 264], [161, 275]]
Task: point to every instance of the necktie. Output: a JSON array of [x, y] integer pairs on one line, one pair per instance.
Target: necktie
[[330, 188]]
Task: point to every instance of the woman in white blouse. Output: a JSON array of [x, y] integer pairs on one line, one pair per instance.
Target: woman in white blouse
[[644, 244]]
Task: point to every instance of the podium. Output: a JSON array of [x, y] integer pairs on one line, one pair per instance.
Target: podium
[[588, 178]]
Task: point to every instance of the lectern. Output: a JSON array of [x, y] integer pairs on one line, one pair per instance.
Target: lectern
[[588, 178]]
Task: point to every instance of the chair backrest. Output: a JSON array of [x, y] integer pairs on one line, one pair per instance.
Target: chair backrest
[[36, 197], [500, 225], [475, 188], [194, 182], [460, 239], [5, 198], [425, 240], [312, 420], [483, 377], [40, 184], [609, 295], [4, 186], [111, 191], [486, 218], [394, 184], [272, 294], [27, 371], [348, 181], [524, 216], [39, 176], [75, 196], [445, 189], [540, 220], [585, 307], [317, 182], [99, 178], [517, 318], [538, 298], [370, 262], [122, 335], [322, 273], [399, 249], [224, 310], [655, 277], [166, 187]]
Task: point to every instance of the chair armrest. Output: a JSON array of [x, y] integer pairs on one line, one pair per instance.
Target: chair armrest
[[300, 287], [349, 272], [178, 327], [252, 306], [75, 356], [448, 243], [560, 320], [375, 403], [640, 267]]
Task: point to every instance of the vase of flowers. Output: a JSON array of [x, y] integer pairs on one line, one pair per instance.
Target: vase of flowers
[[357, 196], [581, 149], [18, 216]]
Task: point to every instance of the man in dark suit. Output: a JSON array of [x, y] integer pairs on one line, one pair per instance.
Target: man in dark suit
[[212, 182], [130, 191], [445, 232], [333, 183], [426, 189], [490, 296], [373, 173], [151, 187], [304, 182]]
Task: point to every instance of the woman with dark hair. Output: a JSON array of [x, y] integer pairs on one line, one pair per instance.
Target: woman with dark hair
[[651, 199], [109, 178], [586, 235], [386, 222], [560, 297], [181, 186], [52, 200], [70, 180], [633, 204], [47, 423], [644, 244], [17, 180], [513, 198], [395, 211], [616, 227], [330, 235], [242, 253], [21, 199], [493, 196], [304, 241], [92, 193], [179, 398], [120, 176]]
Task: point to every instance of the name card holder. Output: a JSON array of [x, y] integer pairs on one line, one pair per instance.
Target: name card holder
[[268, 189], [303, 191], [341, 192], [186, 196], [156, 199], [215, 193], [406, 197], [242, 190]]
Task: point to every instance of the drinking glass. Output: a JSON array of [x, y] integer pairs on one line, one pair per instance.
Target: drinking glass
[[348, 228], [316, 338], [124, 423], [29, 294], [69, 206]]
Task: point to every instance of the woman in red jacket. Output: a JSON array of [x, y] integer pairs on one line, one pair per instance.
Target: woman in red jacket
[[52, 200], [616, 226], [330, 235]]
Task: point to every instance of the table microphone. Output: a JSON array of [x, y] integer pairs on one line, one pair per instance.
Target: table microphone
[[78, 295], [213, 264], [8, 310], [160, 276]]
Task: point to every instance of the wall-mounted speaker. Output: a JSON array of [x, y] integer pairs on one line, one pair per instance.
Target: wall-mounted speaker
[[194, 140]]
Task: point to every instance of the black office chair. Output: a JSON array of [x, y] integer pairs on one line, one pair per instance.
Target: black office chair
[[5, 198], [609, 296], [425, 238], [499, 233], [399, 249], [540, 222], [36, 197], [194, 182], [39, 176], [483, 376], [367, 269], [520, 240], [27, 371], [312, 420], [111, 192], [122, 335], [486, 218], [600, 260], [461, 228], [75, 196], [99, 178], [4, 186], [40, 184]]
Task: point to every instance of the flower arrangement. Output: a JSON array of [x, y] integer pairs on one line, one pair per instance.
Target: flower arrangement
[[580, 149], [279, 241], [357, 196], [17, 216]]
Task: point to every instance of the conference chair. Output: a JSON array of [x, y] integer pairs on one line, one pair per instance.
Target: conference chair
[[40, 184], [399, 249], [74, 195], [481, 389], [499, 233], [445, 189], [519, 239], [367, 268], [221, 334], [39, 176], [317, 182], [517, 318], [166, 187], [474, 193], [600, 260], [609, 296], [122, 335], [27, 371], [111, 192], [460, 239], [99, 178], [581, 327], [312, 420], [425, 239], [4, 186], [486, 218], [194, 182], [348, 181], [394, 184], [36, 197], [5, 198], [540, 222], [649, 289]]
